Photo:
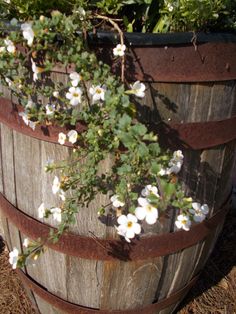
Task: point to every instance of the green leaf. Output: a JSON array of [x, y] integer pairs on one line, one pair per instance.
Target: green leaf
[[142, 150], [124, 122], [155, 168], [139, 129], [154, 149]]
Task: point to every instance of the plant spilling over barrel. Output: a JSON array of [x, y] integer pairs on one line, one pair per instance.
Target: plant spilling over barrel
[[143, 180]]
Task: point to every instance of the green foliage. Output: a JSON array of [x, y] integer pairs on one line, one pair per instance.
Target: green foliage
[[138, 15], [113, 131]]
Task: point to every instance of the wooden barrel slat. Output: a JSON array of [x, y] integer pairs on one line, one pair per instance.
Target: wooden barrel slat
[[94, 283]]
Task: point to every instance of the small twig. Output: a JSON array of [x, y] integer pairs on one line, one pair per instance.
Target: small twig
[[116, 26], [95, 238], [194, 41]]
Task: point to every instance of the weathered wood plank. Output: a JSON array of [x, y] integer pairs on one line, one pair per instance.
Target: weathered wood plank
[[45, 308], [134, 282], [1, 166], [8, 164], [98, 284]]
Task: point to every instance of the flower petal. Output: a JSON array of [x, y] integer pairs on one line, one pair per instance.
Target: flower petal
[[140, 213]]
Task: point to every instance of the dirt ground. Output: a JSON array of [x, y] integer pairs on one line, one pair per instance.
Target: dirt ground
[[214, 293]]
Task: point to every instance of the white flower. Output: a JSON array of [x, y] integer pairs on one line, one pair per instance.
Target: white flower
[[183, 222], [61, 138], [178, 155], [55, 94], [13, 257], [56, 185], [138, 89], [2, 49], [97, 92], [9, 82], [26, 242], [50, 108], [27, 121], [73, 135], [30, 104], [199, 211], [119, 50], [170, 7], [56, 213], [175, 168], [36, 70], [74, 95], [176, 162], [28, 33], [75, 78], [62, 195], [116, 202], [146, 211], [41, 211], [150, 190], [128, 226], [162, 172], [10, 46]]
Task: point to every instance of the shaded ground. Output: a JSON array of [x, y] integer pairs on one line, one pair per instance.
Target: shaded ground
[[214, 293]]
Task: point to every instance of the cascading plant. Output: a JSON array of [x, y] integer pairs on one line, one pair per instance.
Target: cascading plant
[[142, 182]]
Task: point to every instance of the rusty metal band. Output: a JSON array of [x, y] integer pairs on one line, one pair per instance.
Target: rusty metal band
[[197, 135], [112, 249], [204, 62], [9, 115], [72, 308]]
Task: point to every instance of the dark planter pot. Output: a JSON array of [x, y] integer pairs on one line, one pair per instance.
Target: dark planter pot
[[191, 103]]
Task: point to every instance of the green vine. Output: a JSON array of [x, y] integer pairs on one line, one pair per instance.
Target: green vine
[[142, 182]]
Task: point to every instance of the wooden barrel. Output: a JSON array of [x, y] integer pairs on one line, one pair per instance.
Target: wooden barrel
[[191, 99]]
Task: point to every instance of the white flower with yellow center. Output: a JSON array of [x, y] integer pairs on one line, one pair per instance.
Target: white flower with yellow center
[[73, 136], [116, 202], [36, 70], [41, 211], [13, 257], [75, 78], [150, 190], [10, 46], [97, 93], [28, 33], [138, 89], [128, 226], [119, 50], [74, 95], [146, 211], [61, 138], [199, 212], [56, 214], [183, 222]]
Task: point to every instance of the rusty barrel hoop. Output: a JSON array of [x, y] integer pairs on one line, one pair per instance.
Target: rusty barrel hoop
[[171, 52]]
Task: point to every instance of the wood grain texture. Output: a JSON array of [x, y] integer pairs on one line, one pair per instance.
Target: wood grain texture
[[123, 285]]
